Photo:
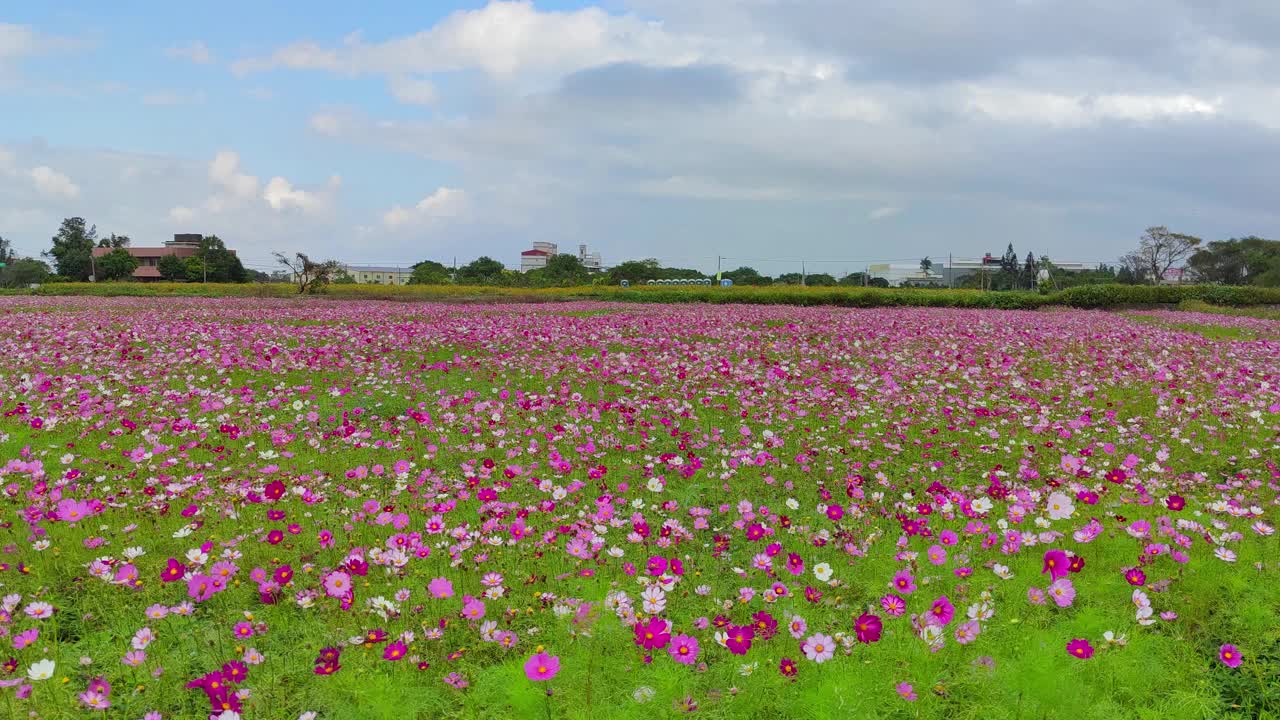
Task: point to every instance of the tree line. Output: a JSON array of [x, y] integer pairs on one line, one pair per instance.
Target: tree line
[[1161, 256]]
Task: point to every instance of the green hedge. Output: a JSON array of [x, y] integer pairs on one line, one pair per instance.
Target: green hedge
[[1087, 296]]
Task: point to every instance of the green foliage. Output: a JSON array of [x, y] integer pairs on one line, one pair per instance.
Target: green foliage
[[747, 276], [6, 251], [114, 241], [22, 273], [72, 249], [561, 271], [481, 271], [430, 272], [218, 264], [116, 265], [171, 268], [1243, 261]]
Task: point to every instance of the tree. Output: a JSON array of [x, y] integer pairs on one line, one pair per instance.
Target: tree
[[429, 272], [1159, 250], [636, 271], [857, 279], [1238, 261], [1009, 262], [481, 271], [791, 278], [343, 277], [73, 249], [747, 276], [117, 264], [820, 280], [563, 270], [21, 273], [309, 275], [217, 263], [926, 265], [171, 268], [6, 252], [878, 282], [114, 241]]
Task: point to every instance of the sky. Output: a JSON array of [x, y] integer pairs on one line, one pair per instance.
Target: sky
[[835, 133]]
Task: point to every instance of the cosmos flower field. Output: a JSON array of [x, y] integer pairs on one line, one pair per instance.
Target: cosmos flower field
[[249, 508]]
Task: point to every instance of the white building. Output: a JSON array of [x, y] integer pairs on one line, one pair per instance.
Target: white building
[[538, 256], [541, 252]]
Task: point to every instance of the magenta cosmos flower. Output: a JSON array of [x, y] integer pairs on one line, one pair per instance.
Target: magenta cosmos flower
[[1230, 655], [739, 640], [684, 649], [867, 628], [652, 635], [1056, 563], [1080, 648], [541, 667], [942, 612]]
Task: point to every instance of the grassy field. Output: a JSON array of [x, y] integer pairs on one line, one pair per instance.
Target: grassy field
[[429, 510], [1094, 296]]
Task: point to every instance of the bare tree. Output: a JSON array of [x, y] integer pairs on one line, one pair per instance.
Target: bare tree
[[1159, 250], [306, 273]]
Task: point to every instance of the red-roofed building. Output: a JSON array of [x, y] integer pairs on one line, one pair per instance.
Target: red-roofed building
[[538, 256], [183, 245]]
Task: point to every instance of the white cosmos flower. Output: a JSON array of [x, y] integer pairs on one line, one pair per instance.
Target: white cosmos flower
[[822, 571], [1060, 507], [41, 669]]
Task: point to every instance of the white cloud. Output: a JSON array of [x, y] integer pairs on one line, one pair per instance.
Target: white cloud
[[501, 38], [224, 172], [442, 204], [412, 90], [1059, 110], [17, 40], [881, 213], [197, 52], [51, 183], [181, 214], [281, 195]]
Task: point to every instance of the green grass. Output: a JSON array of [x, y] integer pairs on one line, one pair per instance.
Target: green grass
[[1167, 671], [1090, 296]]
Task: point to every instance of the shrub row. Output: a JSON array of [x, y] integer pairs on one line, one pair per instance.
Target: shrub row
[[1088, 296]]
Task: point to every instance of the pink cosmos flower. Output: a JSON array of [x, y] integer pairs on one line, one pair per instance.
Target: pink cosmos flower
[[1230, 655], [337, 584], [893, 605], [541, 667], [819, 648], [25, 638], [440, 588], [1080, 648], [941, 612], [473, 609], [903, 582], [684, 649], [1062, 592], [907, 692]]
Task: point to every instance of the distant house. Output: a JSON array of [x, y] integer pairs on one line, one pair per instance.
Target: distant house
[[183, 245], [538, 256], [541, 252], [379, 274]]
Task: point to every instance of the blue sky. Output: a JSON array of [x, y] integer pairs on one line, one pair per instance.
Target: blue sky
[[831, 131]]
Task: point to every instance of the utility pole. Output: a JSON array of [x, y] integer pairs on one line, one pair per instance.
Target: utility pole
[[951, 272], [802, 274], [717, 268], [204, 265], [93, 268]]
